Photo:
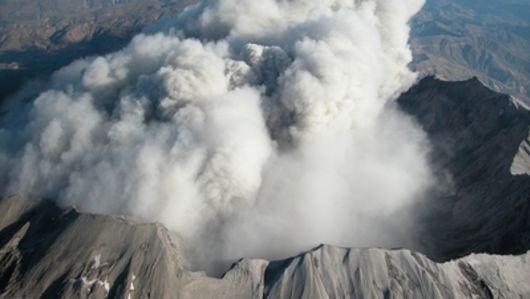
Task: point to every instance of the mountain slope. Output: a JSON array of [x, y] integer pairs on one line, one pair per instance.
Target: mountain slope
[[64, 254], [475, 133], [455, 40]]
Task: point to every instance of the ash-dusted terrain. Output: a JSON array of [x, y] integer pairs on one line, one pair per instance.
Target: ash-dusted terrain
[[476, 134], [113, 258], [64, 254]]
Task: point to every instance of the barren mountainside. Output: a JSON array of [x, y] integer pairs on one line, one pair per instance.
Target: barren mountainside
[[113, 258], [475, 134]]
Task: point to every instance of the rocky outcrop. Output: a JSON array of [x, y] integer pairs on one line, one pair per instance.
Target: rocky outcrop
[[47, 252]]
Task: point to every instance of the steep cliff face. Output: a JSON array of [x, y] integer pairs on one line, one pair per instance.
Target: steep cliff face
[[475, 133]]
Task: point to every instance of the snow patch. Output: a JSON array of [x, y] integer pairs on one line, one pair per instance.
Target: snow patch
[[131, 287], [91, 282], [97, 263]]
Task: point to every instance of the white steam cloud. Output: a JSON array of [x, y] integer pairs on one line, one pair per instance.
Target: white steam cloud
[[251, 128]]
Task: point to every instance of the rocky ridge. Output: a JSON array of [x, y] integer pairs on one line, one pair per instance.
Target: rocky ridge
[[64, 254]]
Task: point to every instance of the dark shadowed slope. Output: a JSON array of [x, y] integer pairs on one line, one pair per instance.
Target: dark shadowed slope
[[476, 133]]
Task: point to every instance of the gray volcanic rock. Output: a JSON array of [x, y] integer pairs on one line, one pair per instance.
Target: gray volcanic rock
[[475, 135], [332, 272], [46, 252]]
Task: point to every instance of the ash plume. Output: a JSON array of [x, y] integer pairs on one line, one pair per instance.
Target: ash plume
[[248, 128]]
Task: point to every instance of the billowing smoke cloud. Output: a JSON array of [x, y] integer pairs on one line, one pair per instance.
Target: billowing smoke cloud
[[249, 128]]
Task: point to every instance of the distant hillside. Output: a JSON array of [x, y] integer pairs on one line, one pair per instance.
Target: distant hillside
[[38, 37], [460, 39], [455, 40]]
